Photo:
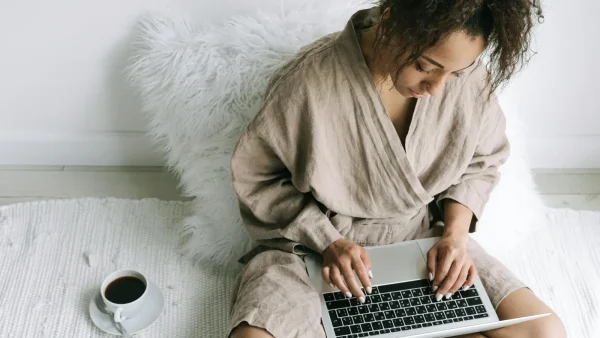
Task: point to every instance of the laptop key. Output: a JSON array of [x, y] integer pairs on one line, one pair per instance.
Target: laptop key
[[396, 329], [447, 321], [438, 323], [398, 322], [427, 324], [342, 313], [333, 314], [379, 316], [400, 313], [405, 303], [374, 290], [358, 319], [406, 294], [461, 303], [440, 316], [469, 317], [421, 309], [355, 329], [419, 319], [456, 296], [386, 297], [472, 292], [417, 293], [394, 305], [389, 314], [373, 307], [347, 321], [388, 324], [373, 333], [336, 322], [409, 321], [460, 312], [377, 325], [450, 314], [329, 297], [441, 306], [474, 301], [470, 311], [405, 328], [363, 309], [396, 295], [376, 299], [366, 327], [452, 305], [416, 326], [483, 315], [369, 317], [480, 309], [352, 311], [337, 304], [411, 311], [338, 295], [340, 331], [355, 302], [431, 308], [425, 300], [429, 317], [384, 306], [415, 301]]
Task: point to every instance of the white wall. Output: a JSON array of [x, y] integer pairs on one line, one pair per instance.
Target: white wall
[[63, 98]]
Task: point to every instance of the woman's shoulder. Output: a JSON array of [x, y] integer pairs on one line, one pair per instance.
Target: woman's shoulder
[[308, 67]]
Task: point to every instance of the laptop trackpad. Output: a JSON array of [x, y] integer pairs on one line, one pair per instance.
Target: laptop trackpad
[[397, 262]]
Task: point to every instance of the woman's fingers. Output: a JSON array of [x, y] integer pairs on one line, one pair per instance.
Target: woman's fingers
[[351, 282], [462, 277], [445, 258], [450, 279], [325, 271], [363, 274], [431, 264], [338, 280], [364, 256], [471, 277]]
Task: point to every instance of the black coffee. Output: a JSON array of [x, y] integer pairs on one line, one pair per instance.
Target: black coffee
[[124, 290]]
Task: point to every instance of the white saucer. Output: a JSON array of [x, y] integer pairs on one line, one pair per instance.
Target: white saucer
[[152, 311]]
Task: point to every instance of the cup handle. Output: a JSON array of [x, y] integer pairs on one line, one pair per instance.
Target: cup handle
[[118, 317]]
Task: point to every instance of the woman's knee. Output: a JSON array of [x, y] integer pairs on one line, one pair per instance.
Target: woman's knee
[[522, 303], [547, 327], [244, 330]]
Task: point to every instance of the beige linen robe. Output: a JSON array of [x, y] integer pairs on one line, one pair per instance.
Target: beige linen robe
[[322, 161]]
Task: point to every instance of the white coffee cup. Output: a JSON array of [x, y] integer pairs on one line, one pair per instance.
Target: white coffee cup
[[126, 310]]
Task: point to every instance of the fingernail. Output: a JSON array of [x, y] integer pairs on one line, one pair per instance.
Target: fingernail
[[348, 294], [369, 289], [439, 297], [332, 286], [466, 287], [430, 276], [370, 274], [435, 288], [448, 295], [361, 300]]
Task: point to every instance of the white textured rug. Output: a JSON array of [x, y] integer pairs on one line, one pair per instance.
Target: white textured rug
[[54, 254]]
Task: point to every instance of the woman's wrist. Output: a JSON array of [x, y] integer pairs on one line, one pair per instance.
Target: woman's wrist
[[457, 232]]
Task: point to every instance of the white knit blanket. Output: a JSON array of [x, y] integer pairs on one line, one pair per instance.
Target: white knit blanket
[[54, 254]]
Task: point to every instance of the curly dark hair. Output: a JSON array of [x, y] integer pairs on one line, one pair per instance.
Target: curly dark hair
[[506, 26]]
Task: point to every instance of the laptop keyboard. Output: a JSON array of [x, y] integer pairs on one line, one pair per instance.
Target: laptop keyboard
[[400, 307]]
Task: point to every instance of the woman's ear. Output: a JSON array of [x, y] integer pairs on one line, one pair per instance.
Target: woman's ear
[[386, 14]]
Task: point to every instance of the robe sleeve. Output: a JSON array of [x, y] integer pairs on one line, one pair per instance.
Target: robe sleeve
[[474, 187], [271, 169]]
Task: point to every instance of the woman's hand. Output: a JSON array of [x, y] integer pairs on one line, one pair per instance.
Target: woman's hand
[[450, 266], [340, 261]]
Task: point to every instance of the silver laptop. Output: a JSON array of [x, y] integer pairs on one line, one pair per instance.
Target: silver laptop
[[402, 303]]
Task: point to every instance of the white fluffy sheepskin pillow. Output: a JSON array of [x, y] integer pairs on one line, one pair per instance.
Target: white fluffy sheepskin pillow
[[200, 87]]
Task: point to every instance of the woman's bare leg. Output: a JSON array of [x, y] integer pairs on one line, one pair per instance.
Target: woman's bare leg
[[523, 303], [246, 331]]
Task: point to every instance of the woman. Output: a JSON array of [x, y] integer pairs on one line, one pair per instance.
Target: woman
[[385, 132]]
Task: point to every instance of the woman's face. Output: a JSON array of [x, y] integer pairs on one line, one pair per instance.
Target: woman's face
[[444, 62]]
